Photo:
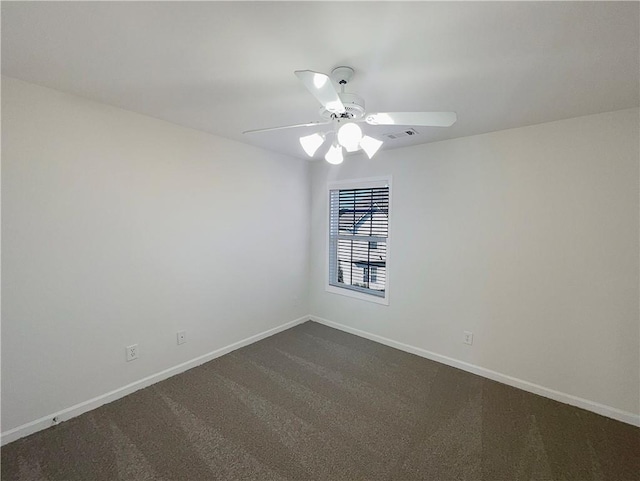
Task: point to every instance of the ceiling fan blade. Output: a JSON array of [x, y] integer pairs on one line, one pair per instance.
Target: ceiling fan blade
[[308, 124], [322, 89], [426, 119]]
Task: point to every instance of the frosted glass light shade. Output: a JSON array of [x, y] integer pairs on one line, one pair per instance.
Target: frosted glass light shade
[[334, 155], [352, 148], [370, 145], [349, 136], [311, 143]]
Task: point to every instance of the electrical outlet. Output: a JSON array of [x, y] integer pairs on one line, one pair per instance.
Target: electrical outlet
[[132, 352], [468, 337], [182, 337]]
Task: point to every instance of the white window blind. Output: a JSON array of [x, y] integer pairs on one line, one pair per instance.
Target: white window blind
[[358, 235]]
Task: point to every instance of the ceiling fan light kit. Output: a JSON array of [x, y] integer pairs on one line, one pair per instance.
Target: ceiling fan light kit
[[311, 143], [345, 110], [334, 154], [349, 136], [370, 145]]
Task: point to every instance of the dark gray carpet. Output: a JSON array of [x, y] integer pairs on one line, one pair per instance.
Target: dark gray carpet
[[316, 403]]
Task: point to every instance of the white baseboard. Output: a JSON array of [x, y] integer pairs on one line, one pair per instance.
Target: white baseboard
[[602, 409], [78, 409]]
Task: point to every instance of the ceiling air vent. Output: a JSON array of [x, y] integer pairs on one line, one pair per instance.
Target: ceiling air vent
[[402, 133]]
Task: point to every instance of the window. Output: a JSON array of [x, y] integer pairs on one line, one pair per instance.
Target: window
[[370, 275], [359, 239]]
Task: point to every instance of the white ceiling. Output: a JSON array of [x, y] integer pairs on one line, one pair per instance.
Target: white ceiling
[[226, 67]]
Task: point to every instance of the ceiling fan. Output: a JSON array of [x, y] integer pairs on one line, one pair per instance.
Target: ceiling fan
[[344, 111]]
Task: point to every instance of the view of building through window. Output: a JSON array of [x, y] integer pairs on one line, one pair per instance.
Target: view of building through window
[[358, 239]]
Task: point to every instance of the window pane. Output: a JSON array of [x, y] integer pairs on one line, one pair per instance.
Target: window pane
[[355, 260], [364, 212]]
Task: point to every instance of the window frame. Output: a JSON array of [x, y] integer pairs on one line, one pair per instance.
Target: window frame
[[354, 291]]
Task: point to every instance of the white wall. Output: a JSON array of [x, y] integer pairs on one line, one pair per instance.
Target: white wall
[[526, 237], [119, 229]]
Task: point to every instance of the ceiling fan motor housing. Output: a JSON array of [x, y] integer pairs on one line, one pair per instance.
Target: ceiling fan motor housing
[[353, 104]]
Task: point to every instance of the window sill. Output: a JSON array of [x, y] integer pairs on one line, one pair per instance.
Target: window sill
[[358, 295]]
